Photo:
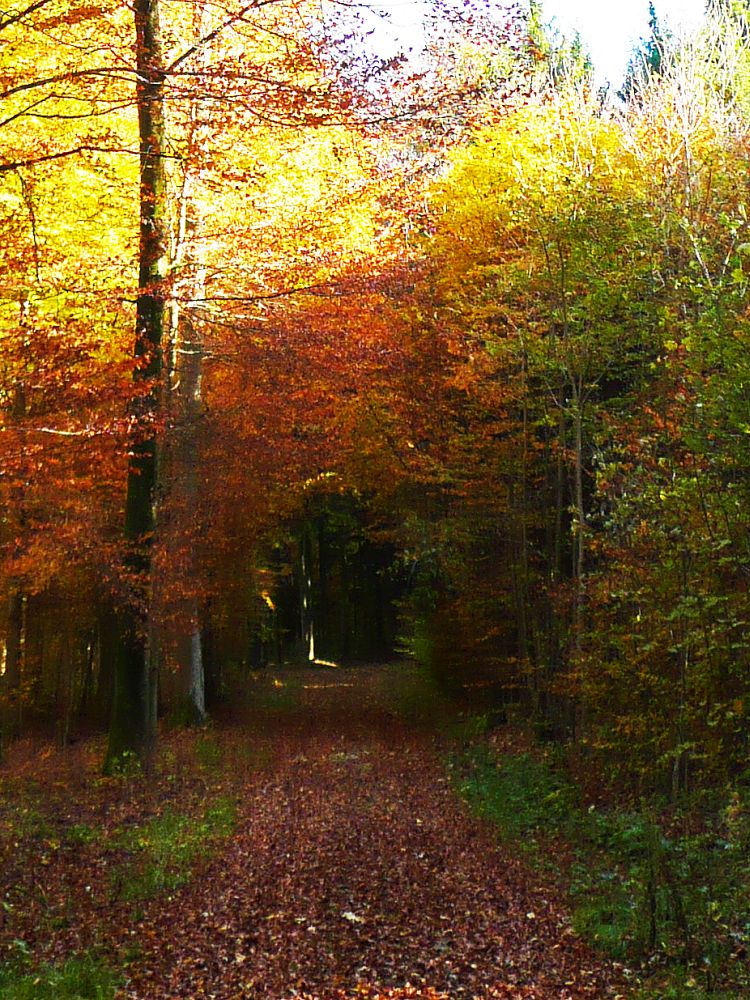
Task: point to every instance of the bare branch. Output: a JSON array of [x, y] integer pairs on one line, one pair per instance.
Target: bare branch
[[33, 161], [265, 297], [25, 111], [76, 74], [207, 39]]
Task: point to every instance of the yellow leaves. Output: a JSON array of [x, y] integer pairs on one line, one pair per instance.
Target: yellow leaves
[[529, 175], [294, 207]]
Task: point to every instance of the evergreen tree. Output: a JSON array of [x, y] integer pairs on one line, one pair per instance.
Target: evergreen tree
[[649, 58], [556, 59]]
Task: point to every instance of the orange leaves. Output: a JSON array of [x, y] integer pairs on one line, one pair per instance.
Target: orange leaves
[[70, 17]]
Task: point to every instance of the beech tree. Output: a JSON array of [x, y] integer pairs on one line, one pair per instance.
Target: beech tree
[[282, 79], [133, 727]]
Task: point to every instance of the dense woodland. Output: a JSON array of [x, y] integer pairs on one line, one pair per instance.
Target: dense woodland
[[313, 355]]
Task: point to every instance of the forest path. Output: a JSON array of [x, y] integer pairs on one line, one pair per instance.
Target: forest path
[[354, 862]]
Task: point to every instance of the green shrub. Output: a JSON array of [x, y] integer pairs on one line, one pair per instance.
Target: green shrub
[[415, 697], [520, 795], [126, 765]]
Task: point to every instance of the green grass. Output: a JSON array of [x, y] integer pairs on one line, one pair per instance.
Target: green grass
[[164, 850], [81, 834], [82, 978], [26, 822]]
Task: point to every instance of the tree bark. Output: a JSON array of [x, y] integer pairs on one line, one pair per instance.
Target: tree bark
[[579, 566], [10, 719], [184, 486], [185, 406], [133, 726], [15, 645]]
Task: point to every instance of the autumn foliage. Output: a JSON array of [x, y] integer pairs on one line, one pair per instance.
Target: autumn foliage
[[308, 353]]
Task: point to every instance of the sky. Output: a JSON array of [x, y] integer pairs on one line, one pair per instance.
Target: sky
[[609, 28]]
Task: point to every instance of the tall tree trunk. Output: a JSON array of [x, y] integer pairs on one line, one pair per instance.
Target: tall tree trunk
[[185, 403], [185, 489], [307, 594], [10, 720], [15, 634], [133, 726], [579, 560]]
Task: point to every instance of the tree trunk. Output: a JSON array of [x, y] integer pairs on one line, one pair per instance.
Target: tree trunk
[[184, 488], [10, 723], [133, 727], [11, 677], [307, 607], [579, 563], [186, 409]]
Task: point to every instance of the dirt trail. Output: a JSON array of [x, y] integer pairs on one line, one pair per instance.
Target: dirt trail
[[353, 862]]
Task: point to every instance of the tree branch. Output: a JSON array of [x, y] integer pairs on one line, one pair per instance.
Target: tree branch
[[318, 287], [75, 74], [207, 39], [16, 164], [12, 18]]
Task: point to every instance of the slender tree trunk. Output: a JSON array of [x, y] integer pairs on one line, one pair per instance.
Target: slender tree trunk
[[307, 597], [580, 512], [577, 711], [186, 403], [521, 561], [557, 564], [15, 634], [133, 726], [14, 640], [105, 654], [89, 672], [580, 517], [185, 495]]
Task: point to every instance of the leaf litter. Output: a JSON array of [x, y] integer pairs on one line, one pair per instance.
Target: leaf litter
[[353, 871]]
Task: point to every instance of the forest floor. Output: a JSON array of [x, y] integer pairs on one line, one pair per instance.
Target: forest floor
[[310, 846]]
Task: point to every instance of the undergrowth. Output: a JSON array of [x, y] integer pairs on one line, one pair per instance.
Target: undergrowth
[[163, 851], [80, 978], [674, 905], [415, 696]]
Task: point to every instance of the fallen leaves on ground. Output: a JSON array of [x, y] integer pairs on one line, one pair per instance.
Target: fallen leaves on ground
[[353, 873]]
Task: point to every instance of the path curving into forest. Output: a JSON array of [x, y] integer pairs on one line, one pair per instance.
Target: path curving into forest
[[353, 862]]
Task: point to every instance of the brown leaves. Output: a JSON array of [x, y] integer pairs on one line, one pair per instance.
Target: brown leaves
[[354, 873]]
